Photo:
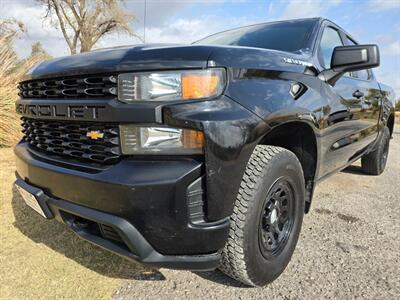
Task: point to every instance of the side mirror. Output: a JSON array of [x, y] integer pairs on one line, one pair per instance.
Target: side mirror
[[350, 58], [355, 58]]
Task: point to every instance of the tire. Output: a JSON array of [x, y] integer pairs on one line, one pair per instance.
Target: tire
[[374, 163], [253, 254]]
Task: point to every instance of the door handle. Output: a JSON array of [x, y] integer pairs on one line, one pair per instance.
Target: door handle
[[358, 94]]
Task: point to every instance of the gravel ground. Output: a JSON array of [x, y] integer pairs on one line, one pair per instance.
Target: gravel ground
[[348, 248]]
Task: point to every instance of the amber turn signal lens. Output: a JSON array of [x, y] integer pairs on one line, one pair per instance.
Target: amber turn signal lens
[[193, 139], [199, 86]]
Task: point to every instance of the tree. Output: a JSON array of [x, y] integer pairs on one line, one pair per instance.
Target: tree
[[84, 22], [397, 106], [37, 49]]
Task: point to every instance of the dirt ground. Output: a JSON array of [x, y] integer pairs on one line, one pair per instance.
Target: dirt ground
[[349, 248]]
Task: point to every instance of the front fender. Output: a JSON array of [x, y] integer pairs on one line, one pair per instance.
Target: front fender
[[266, 93], [231, 133]]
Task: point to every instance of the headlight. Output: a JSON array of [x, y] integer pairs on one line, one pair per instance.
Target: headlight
[[160, 140], [171, 85]]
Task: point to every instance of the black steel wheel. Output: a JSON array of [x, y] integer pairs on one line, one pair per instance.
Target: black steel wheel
[[276, 220]]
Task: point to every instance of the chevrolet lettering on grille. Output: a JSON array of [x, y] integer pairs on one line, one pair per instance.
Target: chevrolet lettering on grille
[[60, 111]]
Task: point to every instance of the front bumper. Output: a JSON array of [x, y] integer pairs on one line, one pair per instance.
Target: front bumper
[[145, 204]]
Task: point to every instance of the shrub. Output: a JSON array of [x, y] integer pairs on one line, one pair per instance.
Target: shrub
[[397, 105], [11, 72]]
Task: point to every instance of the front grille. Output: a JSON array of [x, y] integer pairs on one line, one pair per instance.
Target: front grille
[[70, 140], [94, 86]]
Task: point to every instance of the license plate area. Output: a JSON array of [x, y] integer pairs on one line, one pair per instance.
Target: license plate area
[[31, 201]]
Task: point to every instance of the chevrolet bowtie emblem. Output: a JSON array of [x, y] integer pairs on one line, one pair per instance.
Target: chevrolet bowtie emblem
[[95, 134]]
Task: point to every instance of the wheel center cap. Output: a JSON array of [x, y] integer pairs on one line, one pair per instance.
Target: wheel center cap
[[274, 216]]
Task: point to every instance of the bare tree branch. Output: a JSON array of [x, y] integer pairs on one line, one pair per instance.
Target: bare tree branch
[[71, 6], [84, 22], [67, 18], [55, 4]]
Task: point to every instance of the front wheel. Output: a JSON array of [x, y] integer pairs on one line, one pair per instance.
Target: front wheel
[[267, 217]]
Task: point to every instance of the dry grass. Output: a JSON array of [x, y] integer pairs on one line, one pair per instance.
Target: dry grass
[[11, 72], [42, 259]]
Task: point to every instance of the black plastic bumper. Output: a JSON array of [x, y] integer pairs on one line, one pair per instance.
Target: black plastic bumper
[[144, 203]]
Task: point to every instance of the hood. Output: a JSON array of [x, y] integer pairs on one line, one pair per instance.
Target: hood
[[126, 58], [168, 56]]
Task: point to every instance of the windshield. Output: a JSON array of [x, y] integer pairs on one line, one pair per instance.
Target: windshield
[[291, 36]]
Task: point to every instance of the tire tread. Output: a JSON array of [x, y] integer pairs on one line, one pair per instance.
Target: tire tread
[[370, 162], [233, 261]]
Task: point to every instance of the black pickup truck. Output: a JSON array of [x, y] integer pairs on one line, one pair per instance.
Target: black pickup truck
[[206, 155]]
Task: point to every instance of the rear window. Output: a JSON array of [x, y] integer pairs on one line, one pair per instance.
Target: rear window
[[291, 36]]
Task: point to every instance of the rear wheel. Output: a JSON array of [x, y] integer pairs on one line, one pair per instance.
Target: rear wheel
[[267, 217], [374, 163]]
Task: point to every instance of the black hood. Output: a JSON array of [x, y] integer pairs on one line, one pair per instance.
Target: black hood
[[126, 58], [167, 56]]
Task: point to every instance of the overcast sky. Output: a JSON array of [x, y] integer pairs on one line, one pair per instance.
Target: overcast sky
[[369, 21]]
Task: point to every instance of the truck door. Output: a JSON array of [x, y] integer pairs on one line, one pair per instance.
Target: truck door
[[368, 91], [349, 128]]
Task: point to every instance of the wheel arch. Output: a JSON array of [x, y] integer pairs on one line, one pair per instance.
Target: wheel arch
[[299, 137]]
